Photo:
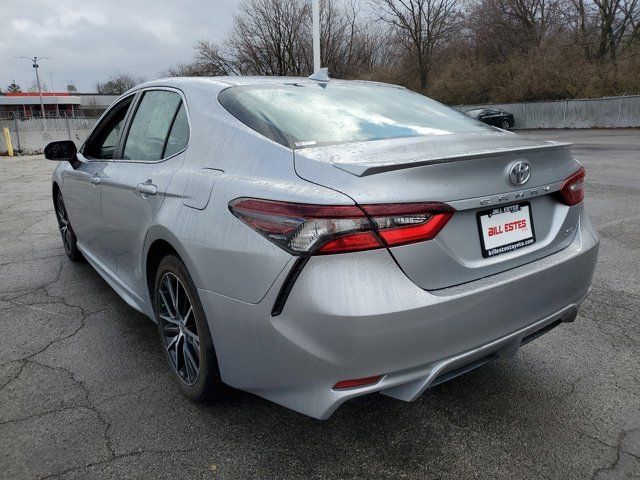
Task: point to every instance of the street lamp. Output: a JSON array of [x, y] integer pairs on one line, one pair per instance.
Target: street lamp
[[35, 67], [315, 14]]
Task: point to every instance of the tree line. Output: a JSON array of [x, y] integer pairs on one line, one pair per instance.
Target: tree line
[[457, 51]]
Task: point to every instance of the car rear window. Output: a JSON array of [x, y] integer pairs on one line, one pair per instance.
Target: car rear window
[[311, 114]]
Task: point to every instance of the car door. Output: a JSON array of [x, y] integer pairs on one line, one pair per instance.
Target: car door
[[81, 185], [134, 185], [493, 117]]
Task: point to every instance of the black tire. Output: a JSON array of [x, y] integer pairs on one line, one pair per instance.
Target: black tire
[[69, 239], [505, 125], [208, 385]]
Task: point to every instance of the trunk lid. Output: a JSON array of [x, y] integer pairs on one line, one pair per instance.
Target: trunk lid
[[469, 172]]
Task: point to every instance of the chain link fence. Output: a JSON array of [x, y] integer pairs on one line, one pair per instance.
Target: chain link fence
[[31, 135], [607, 112]]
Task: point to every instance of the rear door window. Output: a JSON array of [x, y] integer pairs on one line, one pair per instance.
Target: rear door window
[[179, 134], [151, 124]]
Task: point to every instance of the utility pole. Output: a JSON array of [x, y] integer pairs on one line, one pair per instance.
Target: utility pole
[[315, 13], [35, 67]]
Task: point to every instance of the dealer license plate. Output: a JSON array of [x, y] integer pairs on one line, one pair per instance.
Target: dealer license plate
[[505, 229]]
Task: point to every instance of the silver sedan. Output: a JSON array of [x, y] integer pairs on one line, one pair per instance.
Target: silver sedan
[[313, 241]]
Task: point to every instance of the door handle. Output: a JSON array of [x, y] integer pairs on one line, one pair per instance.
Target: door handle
[[147, 188], [95, 180]]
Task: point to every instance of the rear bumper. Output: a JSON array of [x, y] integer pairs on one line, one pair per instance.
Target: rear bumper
[[357, 315]]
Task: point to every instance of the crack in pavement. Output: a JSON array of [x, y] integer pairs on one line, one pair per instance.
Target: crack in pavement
[[88, 405], [117, 457], [619, 452], [116, 430], [32, 259]]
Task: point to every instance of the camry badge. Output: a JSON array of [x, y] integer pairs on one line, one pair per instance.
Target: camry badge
[[520, 173]]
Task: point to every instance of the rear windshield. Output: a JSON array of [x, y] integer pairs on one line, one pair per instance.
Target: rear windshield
[[309, 114]]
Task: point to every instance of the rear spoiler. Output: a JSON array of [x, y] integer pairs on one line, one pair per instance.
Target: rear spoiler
[[365, 169]]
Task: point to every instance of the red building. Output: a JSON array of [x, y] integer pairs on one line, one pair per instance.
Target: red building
[[27, 104]]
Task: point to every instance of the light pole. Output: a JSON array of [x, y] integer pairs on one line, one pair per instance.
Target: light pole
[[315, 13], [35, 67]]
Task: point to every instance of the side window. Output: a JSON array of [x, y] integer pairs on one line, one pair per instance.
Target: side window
[[179, 134], [106, 136], [150, 125]]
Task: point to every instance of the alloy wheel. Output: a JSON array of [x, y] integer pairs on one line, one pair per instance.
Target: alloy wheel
[[179, 329], [63, 224]]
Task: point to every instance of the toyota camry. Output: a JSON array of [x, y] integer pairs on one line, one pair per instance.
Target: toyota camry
[[311, 241]]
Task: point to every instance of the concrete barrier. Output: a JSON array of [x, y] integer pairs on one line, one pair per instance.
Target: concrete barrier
[[607, 112]]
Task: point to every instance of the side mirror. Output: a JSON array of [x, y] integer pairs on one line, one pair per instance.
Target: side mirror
[[64, 150]]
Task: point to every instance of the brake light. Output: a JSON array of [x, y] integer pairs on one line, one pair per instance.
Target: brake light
[[304, 229], [572, 191], [403, 223]]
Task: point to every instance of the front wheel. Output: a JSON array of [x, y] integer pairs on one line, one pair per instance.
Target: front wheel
[[505, 125], [184, 332], [69, 239]]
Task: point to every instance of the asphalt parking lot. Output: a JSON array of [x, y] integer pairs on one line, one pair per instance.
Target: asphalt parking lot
[[84, 392]]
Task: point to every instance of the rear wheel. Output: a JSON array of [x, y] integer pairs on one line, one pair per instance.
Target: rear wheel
[[185, 335], [66, 230], [505, 125]]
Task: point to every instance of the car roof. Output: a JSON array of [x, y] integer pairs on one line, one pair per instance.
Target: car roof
[[259, 80], [226, 81]]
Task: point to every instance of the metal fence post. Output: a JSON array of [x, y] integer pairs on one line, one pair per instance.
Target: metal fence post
[[620, 112], [15, 123], [66, 119]]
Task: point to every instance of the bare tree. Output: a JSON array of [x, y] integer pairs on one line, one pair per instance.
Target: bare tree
[[273, 37], [349, 44], [534, 19], [423, 28], [604, 27], [619, 22], [118, 83], [34, 87], [270, 37], [209, 61], [460, 50]]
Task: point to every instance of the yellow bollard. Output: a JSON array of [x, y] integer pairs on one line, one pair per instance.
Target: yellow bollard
[[7, 138]]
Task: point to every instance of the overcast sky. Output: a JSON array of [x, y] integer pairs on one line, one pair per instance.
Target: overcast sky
[[90, 39]]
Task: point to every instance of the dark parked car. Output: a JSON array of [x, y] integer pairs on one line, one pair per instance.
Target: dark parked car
[[493, 116]]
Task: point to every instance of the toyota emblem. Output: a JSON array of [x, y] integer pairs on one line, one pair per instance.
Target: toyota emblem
[[520, 173]]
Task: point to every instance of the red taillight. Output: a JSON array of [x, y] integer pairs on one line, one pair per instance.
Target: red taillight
[[572, 191], [351, 243], [321, 229], [402, 223], [358, 382]]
